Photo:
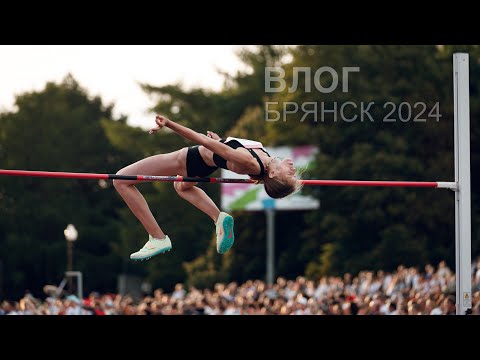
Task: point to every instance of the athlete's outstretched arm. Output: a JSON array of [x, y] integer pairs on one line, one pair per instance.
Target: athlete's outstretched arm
[[214, 136], [216, 146]]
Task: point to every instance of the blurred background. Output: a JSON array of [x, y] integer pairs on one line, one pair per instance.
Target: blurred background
[[364, 250]]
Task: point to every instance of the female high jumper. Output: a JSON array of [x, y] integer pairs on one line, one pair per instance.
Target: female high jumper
[[241, 156]]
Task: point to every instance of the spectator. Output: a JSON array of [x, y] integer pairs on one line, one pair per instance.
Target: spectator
[[401, 292]]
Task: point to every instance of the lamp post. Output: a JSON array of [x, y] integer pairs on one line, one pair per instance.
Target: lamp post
[[71, 234]]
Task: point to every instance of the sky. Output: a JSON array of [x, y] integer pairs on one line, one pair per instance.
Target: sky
[[114, 71]]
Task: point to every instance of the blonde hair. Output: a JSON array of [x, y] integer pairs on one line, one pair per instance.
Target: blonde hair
[[277, 188]]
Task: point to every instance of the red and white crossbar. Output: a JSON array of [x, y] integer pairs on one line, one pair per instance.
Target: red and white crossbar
[[70, 175], [428, 184]]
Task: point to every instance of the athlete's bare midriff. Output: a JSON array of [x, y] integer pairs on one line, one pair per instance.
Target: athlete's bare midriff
[[207, 156]]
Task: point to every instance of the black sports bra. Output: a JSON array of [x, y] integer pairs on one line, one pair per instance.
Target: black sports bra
[[234, 144]]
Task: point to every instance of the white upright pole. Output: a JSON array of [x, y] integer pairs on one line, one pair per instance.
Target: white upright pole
[[463, 229]]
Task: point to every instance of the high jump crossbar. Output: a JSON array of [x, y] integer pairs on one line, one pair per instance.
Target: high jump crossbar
[[70, 175]]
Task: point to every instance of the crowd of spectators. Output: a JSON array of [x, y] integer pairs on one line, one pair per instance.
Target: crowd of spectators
[[406, 291]]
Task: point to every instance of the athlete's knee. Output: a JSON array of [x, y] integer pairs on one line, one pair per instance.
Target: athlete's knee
[[178, 187], [182, 186], [120, 184]]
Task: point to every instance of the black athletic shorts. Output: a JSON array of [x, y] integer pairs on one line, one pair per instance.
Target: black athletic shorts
[[196, 166]]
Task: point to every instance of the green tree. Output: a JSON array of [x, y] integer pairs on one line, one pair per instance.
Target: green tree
[[379, 228], [57, 129]]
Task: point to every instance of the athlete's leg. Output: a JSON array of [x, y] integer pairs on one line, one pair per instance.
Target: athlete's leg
[[223, 221], [159, 165], [198, 198]]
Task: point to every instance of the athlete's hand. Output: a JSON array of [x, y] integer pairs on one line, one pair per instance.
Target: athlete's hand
[[161, 121], [213, 135]]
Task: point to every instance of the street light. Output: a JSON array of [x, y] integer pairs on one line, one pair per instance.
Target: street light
[[71, 234]]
